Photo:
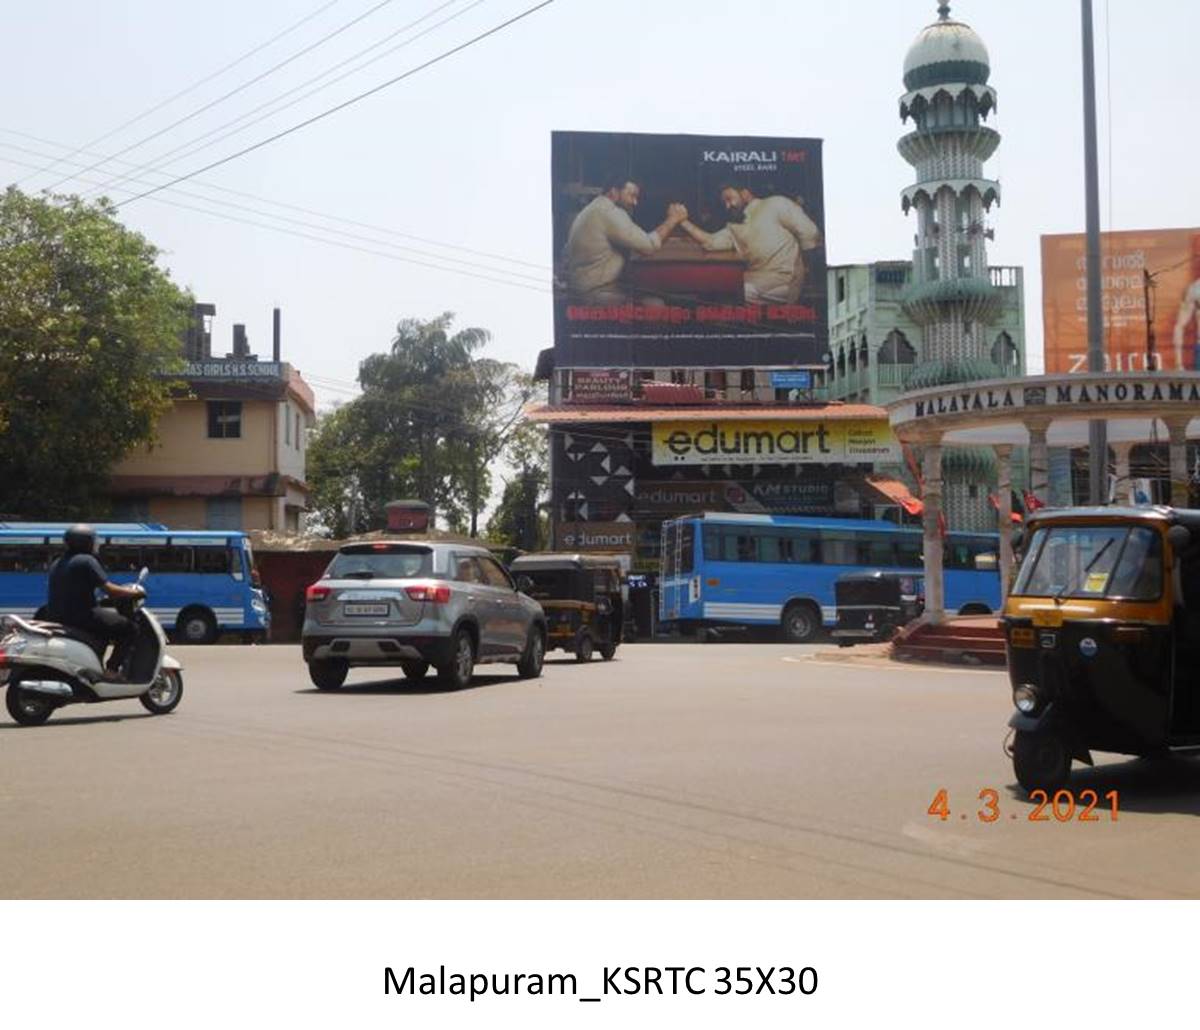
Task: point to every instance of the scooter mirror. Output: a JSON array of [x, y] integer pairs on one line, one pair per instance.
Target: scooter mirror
[[142, 575]]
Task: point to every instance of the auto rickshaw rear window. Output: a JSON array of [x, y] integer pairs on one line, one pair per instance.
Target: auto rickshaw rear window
[[1110, 561]]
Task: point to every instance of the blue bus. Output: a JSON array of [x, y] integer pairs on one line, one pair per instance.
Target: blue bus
[[201, 583], [779, 570]]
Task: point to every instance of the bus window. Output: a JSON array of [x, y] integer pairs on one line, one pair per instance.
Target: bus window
[[874, 549], [908, 551], [668, 558], [770, 547], [25, 557], [747, 546], [804, 548], [121, 558], [712, 543], [687, 547], [212, 559], [168, 559], [838, 549]]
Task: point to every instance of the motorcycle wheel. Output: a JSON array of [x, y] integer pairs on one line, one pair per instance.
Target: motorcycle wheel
[[164, 694], [26, 707]]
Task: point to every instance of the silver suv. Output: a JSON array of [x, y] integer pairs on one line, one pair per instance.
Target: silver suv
[[418, 605]]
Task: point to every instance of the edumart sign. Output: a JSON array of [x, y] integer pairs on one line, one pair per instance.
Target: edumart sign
[[775, 442], [597, 536]]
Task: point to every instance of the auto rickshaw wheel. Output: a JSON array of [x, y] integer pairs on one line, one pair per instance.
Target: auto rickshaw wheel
[[1041, 761], [583, 647], [607, 650]]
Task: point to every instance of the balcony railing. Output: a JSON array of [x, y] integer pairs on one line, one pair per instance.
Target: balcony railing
[[892, 377]]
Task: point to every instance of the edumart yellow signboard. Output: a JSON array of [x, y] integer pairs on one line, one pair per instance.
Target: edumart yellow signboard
[[776, 442]]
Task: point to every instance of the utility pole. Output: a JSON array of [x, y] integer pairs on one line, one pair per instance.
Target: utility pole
[[1148, 288], [1097, 428]]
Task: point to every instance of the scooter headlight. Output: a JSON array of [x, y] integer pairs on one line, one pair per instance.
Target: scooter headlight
[[1026, 698]]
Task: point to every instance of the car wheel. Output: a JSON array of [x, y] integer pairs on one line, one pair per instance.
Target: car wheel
[[584, 647], [530, 665], [800, 623], [414, 669], [27, 707], [328, 673], [458, 673]]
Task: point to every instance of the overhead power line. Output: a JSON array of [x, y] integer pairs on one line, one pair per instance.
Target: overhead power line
[[384, 230], [345, 103], [241, 124], [245, 85], [189, 89], [531, 284]]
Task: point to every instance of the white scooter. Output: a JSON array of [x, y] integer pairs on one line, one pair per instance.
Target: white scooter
[[47, 666]]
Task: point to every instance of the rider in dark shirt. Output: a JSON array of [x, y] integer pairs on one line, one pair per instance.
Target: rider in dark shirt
[[74, 580]]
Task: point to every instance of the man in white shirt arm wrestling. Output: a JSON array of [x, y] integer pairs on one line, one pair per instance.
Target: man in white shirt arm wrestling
[[603, 236], [772, 235]]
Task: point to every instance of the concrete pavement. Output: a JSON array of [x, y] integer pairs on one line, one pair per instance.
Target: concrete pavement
[[675, 771]]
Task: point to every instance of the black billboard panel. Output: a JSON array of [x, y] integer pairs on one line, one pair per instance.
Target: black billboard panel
[[688, 250]]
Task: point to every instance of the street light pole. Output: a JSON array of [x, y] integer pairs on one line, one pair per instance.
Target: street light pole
[[1097, 428]]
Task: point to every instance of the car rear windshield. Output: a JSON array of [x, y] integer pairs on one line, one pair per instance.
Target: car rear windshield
[[370, 562]]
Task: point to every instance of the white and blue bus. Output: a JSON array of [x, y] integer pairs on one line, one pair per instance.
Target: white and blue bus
[[779, 570], [202, 583]]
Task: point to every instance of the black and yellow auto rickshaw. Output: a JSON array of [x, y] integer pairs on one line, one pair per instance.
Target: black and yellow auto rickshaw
[[581, 596], [874, 605], [1103, 635]]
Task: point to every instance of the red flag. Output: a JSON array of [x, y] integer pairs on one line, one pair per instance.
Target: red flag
[[1033, 502]]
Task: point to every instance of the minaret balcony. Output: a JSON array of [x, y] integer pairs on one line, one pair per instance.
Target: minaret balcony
[[988, 190], [974, 141], [976, 299], [911, 104]]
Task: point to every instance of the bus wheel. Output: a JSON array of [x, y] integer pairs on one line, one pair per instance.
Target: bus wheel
[[800, 622], [975, 609], [196, 626]]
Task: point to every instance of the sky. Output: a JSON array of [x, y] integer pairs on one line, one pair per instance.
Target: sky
[[453, 162]]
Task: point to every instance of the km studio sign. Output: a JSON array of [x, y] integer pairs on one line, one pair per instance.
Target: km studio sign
[[1057, 396]]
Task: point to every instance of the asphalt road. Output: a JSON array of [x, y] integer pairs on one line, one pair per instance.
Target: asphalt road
[[675, 771]]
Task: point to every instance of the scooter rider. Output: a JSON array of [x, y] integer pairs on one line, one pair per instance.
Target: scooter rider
[[74, 579]]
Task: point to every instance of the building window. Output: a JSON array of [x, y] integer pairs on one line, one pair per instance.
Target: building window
[[131, 509], [747, 380], [298, 437], [841, 289], [679, 376], [714, 383], [223, 513], [287, 425], [224, 420]]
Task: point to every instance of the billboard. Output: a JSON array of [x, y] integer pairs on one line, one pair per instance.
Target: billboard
[[687, 250], [774, 442], [1158, 266]]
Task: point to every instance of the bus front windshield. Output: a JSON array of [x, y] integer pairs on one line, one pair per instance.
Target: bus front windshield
[[1093, 562]]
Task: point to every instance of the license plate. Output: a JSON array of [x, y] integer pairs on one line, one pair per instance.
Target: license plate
[[1050, 618], [365, 609]]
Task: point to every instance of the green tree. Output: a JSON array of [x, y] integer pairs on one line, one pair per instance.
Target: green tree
[[430, 424], [521, 519], [88, 324]]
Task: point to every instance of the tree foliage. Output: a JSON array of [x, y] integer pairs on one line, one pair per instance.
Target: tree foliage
[[521, 519], [88, 324], [430, 424]]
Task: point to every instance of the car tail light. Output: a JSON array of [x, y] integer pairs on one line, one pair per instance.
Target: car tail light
[[434, 593], [316, 592]]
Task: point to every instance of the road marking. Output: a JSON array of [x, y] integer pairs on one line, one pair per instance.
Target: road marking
[[885, 663]]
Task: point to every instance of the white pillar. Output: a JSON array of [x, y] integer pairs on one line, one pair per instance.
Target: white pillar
[[1039, 458], [1004, 488], [1124, 478], [1177, 434], [935, 595]]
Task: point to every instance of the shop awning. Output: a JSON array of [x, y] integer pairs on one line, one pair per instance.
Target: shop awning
[[895, 492], [567, 413]]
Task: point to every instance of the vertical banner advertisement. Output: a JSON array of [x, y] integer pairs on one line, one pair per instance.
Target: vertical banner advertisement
[[1150, 292], [688, 250]]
